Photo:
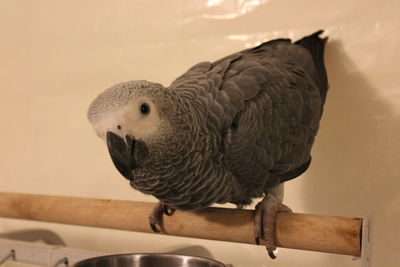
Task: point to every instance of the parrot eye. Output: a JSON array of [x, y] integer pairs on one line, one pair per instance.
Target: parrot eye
[[144, 109]]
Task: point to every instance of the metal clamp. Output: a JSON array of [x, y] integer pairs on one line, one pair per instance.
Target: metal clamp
[[10, 255]]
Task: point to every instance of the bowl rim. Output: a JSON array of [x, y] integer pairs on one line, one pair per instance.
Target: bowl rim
[[146, 254]]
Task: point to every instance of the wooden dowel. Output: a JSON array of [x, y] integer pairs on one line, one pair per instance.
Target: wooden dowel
[[299, 231]]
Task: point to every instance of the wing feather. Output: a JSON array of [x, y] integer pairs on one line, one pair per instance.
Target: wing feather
[[264, 105]]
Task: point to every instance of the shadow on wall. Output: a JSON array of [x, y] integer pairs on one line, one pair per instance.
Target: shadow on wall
[[352, 155], [354, 158]]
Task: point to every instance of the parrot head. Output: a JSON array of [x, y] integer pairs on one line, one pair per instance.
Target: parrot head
[[158, 139], [131, 118]]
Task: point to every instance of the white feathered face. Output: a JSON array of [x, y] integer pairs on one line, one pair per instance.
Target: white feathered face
[[139, 118], [127, 118]]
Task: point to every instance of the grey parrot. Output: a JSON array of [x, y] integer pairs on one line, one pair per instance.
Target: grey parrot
[[224, 131]]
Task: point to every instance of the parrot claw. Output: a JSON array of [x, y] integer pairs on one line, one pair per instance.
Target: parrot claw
[[264, 220], [168, 210], [156, 216], [154, 227], [271, 255]]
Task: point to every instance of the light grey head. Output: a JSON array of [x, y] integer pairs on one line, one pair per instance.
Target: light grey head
[[128, 117], [127, 108]]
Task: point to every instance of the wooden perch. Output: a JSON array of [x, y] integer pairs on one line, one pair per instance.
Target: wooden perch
[[299, 231]]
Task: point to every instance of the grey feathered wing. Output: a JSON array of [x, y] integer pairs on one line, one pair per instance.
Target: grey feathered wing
[[266, 103], [260, 111]]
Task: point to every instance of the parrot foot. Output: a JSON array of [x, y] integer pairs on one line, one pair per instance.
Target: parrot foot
[[156, 216], [264, 220]]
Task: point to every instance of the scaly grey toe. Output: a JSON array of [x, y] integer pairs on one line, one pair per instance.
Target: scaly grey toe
[[264, 221]]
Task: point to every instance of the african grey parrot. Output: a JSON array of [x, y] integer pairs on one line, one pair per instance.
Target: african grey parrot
[[227, 131]]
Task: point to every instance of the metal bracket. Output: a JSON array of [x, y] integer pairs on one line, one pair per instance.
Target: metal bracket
[[42, 254], [366, 242]]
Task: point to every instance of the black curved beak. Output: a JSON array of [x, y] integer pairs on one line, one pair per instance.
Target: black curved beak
[[121, 153]]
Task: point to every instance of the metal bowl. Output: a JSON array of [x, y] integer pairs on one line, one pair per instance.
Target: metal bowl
[[148, 260]]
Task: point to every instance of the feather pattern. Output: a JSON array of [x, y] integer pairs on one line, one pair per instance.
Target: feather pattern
[[265, 106], [229, 130]]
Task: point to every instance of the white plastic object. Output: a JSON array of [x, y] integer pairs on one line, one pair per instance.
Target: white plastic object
[[42, 254]]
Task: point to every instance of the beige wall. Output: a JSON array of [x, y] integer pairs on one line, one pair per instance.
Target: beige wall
[[56, 56]]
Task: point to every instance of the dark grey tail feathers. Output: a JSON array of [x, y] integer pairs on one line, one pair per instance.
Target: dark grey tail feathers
[[316, 46], [284, 177]]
